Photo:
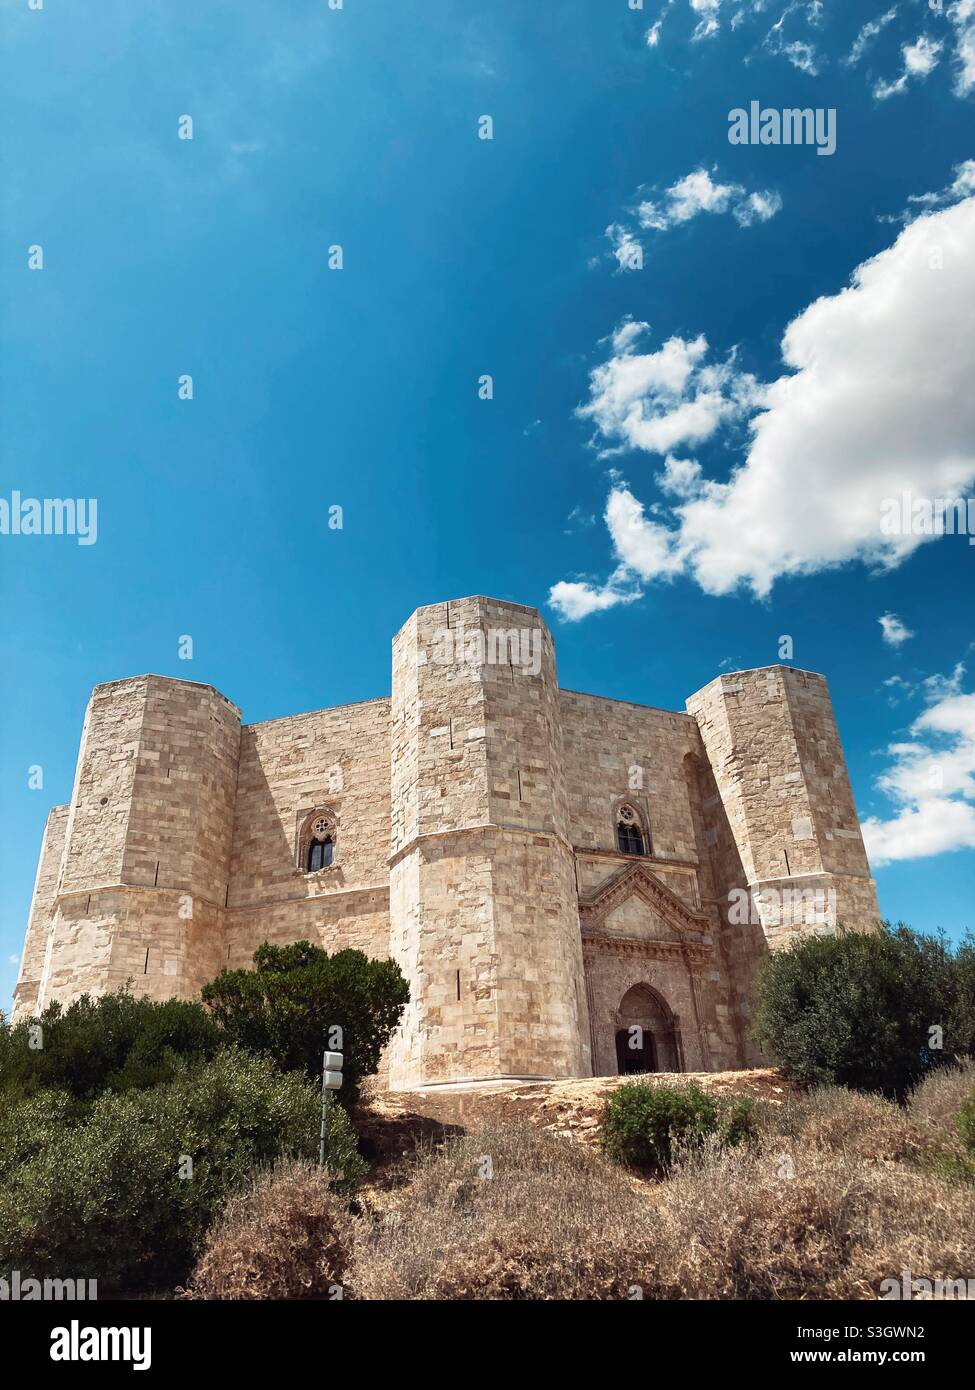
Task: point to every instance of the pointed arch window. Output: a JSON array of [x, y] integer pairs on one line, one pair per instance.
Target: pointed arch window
[[630, 838], [316, 849]]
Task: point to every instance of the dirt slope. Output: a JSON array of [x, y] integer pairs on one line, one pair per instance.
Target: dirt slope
[[391, 1123]]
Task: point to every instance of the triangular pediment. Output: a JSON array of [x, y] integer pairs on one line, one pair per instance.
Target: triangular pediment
[[605, 909]]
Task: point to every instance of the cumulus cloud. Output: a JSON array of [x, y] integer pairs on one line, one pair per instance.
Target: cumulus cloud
[[920, 59], [575, 599], [894, 631], [930, 780], [871, 407], [657, 401], [867, 35]]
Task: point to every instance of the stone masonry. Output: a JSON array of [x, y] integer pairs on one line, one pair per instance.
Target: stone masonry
[[572, 885]]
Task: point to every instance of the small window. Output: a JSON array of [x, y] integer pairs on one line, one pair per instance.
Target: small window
[[319, 855], [629, 832], [316, 842]]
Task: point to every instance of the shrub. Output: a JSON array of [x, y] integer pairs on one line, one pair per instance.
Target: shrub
[[287, 1005], [856, 1009], [127, 1194], [287, 1235], [116, 1042], [645, 1125]]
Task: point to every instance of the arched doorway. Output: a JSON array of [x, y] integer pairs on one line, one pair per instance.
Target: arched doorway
[[647, 1036]]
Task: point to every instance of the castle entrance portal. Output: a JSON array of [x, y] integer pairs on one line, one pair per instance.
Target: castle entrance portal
[[647, 1035]]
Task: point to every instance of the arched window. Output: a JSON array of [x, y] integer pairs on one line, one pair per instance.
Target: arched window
[[629, 831], [316, 848]]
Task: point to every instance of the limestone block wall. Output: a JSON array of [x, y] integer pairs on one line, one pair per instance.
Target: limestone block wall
[[616, 751], [483, 907], [42, 903], [145, 866], [332, 760], [774, 750]]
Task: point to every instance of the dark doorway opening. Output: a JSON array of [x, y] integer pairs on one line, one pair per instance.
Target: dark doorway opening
[[636, 1051]]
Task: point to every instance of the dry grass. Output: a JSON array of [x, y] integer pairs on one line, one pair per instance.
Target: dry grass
[[286, 1236], [804, 1221], [936, 1102], [836, 1195], [553, 1221], [829, 1212], [861, 1127]]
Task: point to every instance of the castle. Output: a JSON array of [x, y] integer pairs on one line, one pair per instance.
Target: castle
[[572, 885]]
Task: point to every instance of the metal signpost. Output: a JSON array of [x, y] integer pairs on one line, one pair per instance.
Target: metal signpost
[[331, 1081]]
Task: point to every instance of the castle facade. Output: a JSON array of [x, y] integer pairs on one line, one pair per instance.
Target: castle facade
[[572, 885]]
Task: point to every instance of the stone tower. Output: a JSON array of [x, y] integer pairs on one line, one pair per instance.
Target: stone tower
[[142, 851], [777, 761], [483, 902]]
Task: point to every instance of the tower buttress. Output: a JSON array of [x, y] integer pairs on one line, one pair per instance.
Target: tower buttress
[[483, 906]]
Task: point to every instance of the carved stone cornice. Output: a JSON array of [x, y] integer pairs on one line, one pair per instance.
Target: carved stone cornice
[[601, 943]]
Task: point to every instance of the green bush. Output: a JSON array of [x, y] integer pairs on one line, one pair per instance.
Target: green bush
[[114, 1043], [127, 1194], [644, 1125], [287, 1006], [858, 1009], [739, 1120]]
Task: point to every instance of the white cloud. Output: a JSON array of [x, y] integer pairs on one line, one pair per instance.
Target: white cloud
[[871, 407], [707, 25], [802, 56], [894, 631], [800, 53], [962, 16], [930, 779], [689, 197], [698, 193], [627, 250], [920, 59], [760, 206], [656, 401], [575, 599], [867, 35], [13, 960], [962, 186]]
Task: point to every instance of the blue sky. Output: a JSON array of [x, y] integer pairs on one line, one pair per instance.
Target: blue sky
[[648, 453]]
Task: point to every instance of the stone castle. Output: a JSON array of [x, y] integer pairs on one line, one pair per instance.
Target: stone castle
[[572, 885]]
